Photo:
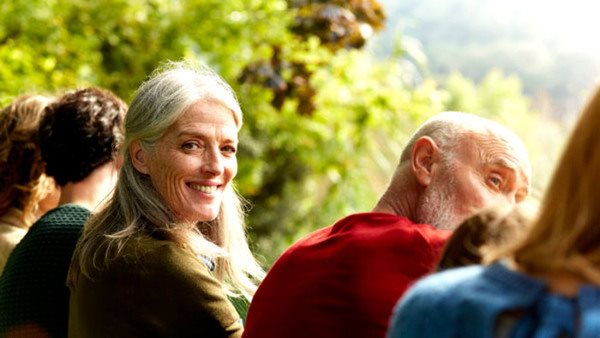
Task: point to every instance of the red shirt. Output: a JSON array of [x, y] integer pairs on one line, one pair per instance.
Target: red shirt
[[344, 280]]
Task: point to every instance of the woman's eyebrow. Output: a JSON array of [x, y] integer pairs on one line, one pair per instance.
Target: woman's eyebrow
[[199, 134]]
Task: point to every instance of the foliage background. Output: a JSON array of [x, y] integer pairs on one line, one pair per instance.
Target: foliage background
[[300, 168]]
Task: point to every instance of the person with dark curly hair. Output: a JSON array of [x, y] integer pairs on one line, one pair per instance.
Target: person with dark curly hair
[[26, 192], [80, 136]]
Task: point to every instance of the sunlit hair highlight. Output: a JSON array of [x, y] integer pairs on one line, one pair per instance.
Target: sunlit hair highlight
[[22, 172], [566, 234]]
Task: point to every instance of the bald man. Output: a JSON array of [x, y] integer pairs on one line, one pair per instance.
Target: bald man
[[343, 280]]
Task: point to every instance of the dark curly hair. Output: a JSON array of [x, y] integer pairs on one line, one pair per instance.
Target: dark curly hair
[[22, 181], [80, 132]]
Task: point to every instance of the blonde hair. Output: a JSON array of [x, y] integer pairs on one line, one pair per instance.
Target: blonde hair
[[566, 234], [22, 171], [136, 206]]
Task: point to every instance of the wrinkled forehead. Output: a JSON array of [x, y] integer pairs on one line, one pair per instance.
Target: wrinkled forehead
[[501, 147]]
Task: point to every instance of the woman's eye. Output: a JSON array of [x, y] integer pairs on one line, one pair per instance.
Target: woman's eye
[[190, 146]]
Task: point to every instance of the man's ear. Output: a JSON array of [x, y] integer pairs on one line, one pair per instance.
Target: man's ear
[[425, 154], [138, 156], [119, 161]]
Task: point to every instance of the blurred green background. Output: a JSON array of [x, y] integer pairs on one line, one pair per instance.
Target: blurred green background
[[331, 90]]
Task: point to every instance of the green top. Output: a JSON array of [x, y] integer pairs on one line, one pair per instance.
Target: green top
[[34, 300], [154, 288]]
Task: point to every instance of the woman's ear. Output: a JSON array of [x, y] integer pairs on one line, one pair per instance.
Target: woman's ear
[[425, 153], [138, 156]]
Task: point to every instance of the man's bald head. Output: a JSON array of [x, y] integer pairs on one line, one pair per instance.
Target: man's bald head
[[447, 129], [458, 162]]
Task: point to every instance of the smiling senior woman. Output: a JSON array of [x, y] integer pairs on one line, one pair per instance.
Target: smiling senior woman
[[170, 247]]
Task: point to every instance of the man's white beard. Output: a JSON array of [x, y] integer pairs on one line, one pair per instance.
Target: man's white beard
[[438, 206]]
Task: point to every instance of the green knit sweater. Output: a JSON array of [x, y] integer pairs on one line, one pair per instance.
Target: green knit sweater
[[34, 300]]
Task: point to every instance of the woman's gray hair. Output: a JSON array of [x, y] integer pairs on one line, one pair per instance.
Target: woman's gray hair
[[170, 90], [137, 208]]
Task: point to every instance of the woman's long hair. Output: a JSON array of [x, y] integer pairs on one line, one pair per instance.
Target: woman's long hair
[[23, 180], [136, 207], [566, 234]]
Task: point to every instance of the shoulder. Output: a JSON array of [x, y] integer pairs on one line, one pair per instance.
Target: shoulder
[[342, 230], [59, 229], [68, 214], [374, 232], [474, 283], [164, 280], [162, 262], [9, 238], [60, 225], [395, 236], [463, 300], [428, 307], [10, 235], [374, 225], [439, 285], [167, 263], [159, 256], [12, 228]]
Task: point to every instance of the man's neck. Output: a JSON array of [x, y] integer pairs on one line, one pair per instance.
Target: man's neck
[[400, 199], [92, 191], [393, 204]]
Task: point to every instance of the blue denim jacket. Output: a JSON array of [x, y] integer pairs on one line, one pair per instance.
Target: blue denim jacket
[[467, 303]]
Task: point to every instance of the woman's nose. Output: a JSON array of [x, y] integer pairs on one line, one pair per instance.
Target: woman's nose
[[212, 162]]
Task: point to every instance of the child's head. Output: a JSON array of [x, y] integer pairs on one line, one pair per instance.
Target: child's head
[[486, 230]]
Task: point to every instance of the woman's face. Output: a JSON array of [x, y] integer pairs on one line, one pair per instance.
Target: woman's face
[[194, 161]]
